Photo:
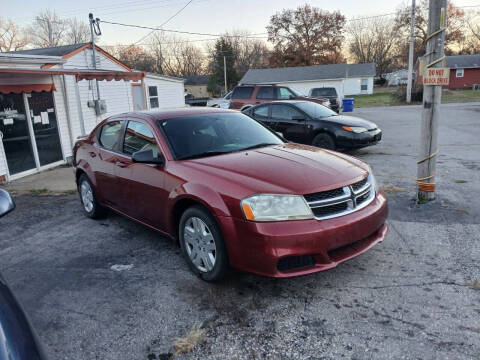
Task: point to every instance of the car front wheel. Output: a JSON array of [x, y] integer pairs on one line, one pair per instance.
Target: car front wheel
[[202, 244]]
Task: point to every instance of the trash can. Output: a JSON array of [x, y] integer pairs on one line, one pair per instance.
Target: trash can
[[348, 104]]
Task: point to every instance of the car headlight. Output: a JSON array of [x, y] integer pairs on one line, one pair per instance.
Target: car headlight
[[372, 179], [355, 129], [270, 207]]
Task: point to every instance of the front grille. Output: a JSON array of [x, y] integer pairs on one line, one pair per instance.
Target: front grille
[[295, 262], [341, 201], [327, 210], [324, 195]]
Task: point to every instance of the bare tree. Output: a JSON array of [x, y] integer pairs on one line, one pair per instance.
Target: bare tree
[[11, 36], [77, 32], [48, 29], [373, 40]]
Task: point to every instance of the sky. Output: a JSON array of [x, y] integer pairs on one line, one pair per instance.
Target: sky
[[206, 16]]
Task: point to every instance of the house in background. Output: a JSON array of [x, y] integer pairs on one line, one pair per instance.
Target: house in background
[[347, 79], [464, 71], [197, 86], [49, 97]]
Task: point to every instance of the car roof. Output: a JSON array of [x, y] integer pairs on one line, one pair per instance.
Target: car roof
[[174, 112], [285, 102]]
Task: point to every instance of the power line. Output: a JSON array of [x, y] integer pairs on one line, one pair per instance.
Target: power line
[[177, 31], [170, 18]]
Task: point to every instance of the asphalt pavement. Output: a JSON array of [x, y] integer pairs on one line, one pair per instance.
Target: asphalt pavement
[[113, 289]]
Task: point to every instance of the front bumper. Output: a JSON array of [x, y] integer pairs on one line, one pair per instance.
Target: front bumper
[[260, 248], [346, 139]]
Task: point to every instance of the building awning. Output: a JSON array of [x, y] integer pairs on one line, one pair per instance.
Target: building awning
[[26, 88], [80, 74]]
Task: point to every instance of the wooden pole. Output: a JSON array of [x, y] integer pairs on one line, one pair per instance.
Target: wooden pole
[[410, 53], [432, 95]]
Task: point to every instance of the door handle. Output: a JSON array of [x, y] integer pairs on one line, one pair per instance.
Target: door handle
[[120, 164], [92, 154]]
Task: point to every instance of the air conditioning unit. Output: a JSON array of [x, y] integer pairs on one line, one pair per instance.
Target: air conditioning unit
[[476, 87]]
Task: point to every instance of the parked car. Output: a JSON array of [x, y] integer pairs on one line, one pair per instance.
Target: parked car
[[246, 96], [221, 102], [18, 340], [231, 191], [305, 122], [329, 93]]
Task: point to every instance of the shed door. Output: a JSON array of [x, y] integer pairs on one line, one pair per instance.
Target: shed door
[[138, 97]]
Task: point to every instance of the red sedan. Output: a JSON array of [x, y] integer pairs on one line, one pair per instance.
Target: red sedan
[[231, 191]]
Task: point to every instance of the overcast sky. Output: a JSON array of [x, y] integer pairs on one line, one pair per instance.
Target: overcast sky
[[206, 16]]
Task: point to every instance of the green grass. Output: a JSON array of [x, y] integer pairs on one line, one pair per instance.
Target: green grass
[[461, 181], [387, 98], [452, 96]]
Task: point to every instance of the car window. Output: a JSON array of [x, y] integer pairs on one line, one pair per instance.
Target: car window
[[315, 110], [266, 92], [138, 136], [284, 93], [243, 92], [284, 112], [111, 134], [206, 135], [260, 113], [324, 92]]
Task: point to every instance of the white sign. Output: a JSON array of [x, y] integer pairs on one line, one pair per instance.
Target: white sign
[[44, 116], [8, 121], [436, 76]]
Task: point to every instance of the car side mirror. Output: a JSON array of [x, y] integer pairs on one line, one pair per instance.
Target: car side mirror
[[291, 97], [298, 118], [146, 157], [6, 203]]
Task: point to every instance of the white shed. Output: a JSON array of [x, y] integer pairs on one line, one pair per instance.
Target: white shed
[[161, 92]]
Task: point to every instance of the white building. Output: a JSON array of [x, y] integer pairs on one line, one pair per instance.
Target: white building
[[49, 97], [347, 79]]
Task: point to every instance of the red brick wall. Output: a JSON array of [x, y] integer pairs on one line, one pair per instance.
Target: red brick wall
[[470, 77]]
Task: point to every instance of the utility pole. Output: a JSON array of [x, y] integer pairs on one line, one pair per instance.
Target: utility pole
[[432, 95], [225, 72], [94, 32], [410, 53]]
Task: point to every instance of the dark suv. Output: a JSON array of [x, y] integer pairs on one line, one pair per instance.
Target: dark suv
[[246, 96], [329, 93]]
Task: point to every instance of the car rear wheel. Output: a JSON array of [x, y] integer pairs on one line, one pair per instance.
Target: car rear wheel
[[324, 141], [202, 244], [90, 206]]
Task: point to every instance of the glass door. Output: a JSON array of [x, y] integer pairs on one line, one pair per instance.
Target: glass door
[[45, 127], [15, 134]]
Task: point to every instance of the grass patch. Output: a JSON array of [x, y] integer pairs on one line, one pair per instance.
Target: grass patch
[[187, 343], [453, 96], [387, 98], [423, 201], [39, 191], [461, 181]]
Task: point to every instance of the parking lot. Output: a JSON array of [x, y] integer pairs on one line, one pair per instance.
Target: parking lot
[[414, 296]]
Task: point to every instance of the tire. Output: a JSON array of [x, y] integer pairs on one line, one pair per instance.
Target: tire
[[202, 244], [324, 141], [90, 205]]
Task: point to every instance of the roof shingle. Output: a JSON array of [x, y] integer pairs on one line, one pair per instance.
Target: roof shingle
[[51, 51]]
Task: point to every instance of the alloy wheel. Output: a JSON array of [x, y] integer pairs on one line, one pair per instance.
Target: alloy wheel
[[200, 244], [87, 196]]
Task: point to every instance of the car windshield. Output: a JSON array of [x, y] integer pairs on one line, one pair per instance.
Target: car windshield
[[324, 92], [315, 110], [297, 93], [202, 135]]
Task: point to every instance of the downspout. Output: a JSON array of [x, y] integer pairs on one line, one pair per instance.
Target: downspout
[[67, 109], [79, 105]]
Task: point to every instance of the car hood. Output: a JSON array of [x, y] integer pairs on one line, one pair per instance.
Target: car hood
[[351, 121], [287, 168]]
